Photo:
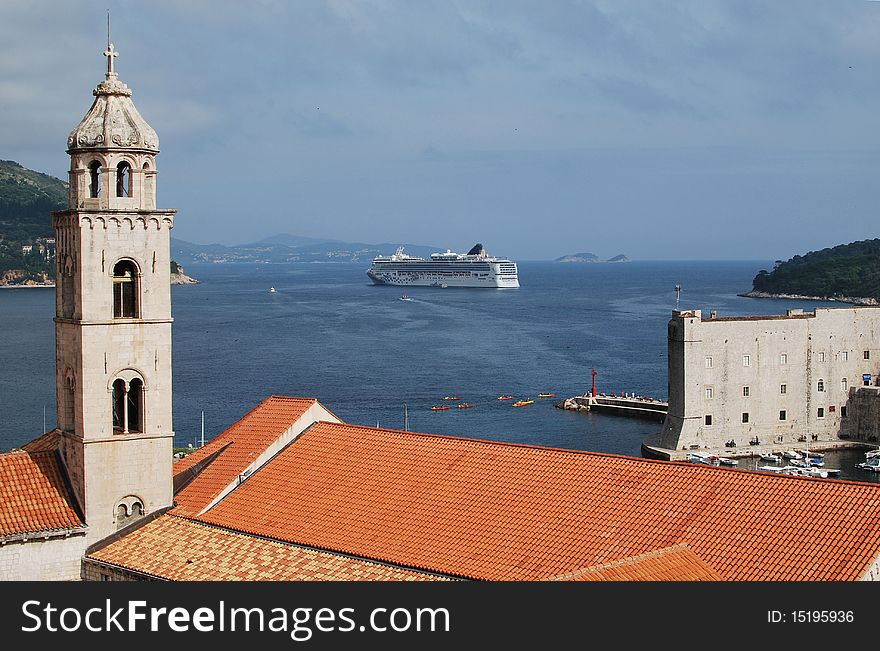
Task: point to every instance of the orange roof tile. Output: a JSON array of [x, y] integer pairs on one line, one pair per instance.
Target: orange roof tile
[[490, 510], [34, 494], [179, 549], [235, 449], [44, 443], [676, 563]]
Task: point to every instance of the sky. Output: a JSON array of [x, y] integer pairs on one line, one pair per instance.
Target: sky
[[662, 129]]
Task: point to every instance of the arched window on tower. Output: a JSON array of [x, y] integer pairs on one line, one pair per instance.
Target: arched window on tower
[[128, 406], [94, 179], [125, 290], [123, 179], [127, 510]]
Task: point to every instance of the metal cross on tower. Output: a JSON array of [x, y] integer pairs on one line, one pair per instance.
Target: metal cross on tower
[[110, 53]]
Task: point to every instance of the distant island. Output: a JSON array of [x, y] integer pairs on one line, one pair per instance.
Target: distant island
[[590, 257], [27, 238], [849, 273]]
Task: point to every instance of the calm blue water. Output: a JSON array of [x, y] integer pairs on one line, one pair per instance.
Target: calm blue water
[[328, 333]]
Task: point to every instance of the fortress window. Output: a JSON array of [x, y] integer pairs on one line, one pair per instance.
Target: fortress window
[[783, 359], [843, 385], [821, 357], [746, 392], [94, 179], [782, 414], [123, 179], [820, 386], [708, 362], [843, 411], [708, 419], [844, 355], [745, 417], [124, 290], [783, 388], [867, 354], [710, 393], [820, 412], [747, 361]]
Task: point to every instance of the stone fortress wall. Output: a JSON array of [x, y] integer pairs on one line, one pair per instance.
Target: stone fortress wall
[[772, 380]]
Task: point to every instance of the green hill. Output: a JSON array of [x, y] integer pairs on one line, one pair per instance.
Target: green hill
[[848, 271], [26, 200]]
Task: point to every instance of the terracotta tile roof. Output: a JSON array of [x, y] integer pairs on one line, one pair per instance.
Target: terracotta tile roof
[[677, 563], [44, 443], [235, 449], [34, 494], [179, 549], [490, 510]]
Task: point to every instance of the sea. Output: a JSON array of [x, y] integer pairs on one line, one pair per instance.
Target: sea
[[372, 359]]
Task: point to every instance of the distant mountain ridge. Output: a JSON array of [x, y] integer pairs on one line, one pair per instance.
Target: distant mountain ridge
[[284, 247], [848, 272], [590, 257]]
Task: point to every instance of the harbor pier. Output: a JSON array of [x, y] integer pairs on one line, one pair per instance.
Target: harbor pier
[[632, 406]]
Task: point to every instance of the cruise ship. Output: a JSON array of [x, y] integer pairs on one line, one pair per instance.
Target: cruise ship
[[471, 269]]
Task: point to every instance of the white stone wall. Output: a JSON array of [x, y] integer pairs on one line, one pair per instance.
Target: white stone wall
[[53, 559], [712, 361]]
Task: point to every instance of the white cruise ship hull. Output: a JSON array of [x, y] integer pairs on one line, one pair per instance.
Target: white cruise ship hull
[[427, 279]]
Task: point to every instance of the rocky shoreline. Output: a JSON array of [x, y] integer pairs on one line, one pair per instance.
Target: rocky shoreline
[[853, 300]]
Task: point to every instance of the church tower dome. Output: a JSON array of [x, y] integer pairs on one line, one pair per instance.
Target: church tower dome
[[112, 121]]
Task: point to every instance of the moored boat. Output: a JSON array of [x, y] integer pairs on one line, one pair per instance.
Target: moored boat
[[451, 398], [504, 398], [773, 458], [464, 405], [546, 395], [439, 408], [523, 403]]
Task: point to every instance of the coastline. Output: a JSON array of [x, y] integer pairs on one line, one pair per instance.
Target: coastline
[[853, 300], [26, 286]]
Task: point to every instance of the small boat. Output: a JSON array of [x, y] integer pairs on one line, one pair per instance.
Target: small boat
[[451, 398], [774, 469], [504, 398], [699, 457], [814, 455], [791, 454], [726, 461], [800, 463], [816, 463], [439, 408], [464, 405], [773, 458], [546, 395], [523, 403], [271, 290], [405, 298], [832, 472]]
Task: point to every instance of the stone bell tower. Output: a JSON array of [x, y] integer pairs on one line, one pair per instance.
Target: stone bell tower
[[113, 316]]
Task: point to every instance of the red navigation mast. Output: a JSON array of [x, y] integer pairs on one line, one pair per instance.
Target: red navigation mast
[[594, 382]]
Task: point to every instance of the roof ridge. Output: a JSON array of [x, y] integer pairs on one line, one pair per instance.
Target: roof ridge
[[545, 448]]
